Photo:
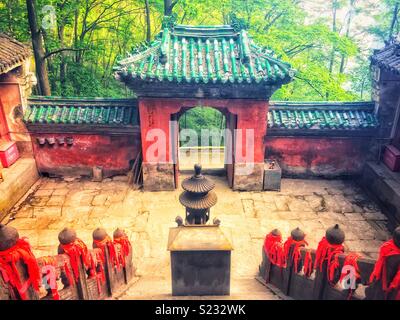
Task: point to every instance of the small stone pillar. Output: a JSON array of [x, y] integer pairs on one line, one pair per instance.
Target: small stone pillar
[[272, 176], [200, 252]]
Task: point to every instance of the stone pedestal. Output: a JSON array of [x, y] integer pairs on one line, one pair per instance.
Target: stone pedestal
[[272, 176], [248, 176], [200, 260], [158, 177]]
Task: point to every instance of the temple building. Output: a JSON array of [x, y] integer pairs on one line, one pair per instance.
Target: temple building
[[381, 176], [135, 141], [213, 66], [184, 67], [17, 167]]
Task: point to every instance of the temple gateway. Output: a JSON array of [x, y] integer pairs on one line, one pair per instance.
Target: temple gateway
[[215, 66], [294, 242]]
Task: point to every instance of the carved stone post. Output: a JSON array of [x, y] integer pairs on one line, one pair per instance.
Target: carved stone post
[[68, 236], [100, 235], [375, 290], [334, 237], [297, 238], [9, 239]]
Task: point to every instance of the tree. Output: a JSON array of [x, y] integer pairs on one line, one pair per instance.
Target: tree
[[90, 36], [38, 51], [168, 6], [148, 21]]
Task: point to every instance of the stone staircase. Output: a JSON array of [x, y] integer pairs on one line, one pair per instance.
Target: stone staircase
[[159, 288]]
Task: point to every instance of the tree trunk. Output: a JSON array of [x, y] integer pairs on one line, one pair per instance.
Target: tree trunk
[[168, 6], [63, 66], [394, 19], [37, 44], [348, 25], [334, 12], [76, 33], [148, 25]]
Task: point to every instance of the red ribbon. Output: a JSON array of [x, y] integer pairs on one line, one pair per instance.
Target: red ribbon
[[98, 262], [125, 248], [51, 261], [330, 253], [387, 250], [273, 249], [296, 254], [21, 251], [351, 260], [107, 242], [308, 264], [76, 250]]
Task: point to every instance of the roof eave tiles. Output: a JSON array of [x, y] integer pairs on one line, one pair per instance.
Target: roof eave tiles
[[215, 55]]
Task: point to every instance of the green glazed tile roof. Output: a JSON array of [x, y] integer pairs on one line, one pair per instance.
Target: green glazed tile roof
[[204, 54], [97, 111], [317, 115]]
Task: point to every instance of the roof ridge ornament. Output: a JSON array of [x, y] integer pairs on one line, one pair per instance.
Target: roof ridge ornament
[[169, 21], [238, 24]]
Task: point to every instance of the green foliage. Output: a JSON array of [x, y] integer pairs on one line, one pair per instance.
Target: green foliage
[[97, 32], [202, 118]]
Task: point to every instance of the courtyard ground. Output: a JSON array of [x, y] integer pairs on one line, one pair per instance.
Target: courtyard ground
[[246, 217]]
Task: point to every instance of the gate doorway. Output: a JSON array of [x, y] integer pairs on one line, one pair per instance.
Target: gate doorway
[[205, 135], [202, 140]]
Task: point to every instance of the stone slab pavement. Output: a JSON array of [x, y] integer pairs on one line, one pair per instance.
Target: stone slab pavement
[[246, 217]]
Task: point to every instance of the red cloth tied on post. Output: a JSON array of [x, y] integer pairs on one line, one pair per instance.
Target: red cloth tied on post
[[98, 265], [296, 254], [351, 260], [9, 258], [78, 250], [273, 248], [68, 273], [387, 250], [125, 248], [107, 242], [330, 253], [51, 278], [308, 264]]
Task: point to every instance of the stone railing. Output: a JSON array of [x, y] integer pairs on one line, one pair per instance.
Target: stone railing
[[331, 277], [76, 273]]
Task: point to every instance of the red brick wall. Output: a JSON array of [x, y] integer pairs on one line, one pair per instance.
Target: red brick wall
[[319, 156], [113, 153]]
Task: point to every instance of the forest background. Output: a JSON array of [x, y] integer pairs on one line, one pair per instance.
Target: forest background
[[76, 43]]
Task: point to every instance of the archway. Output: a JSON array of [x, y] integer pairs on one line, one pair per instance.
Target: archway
[[159, 135], [202, 139]]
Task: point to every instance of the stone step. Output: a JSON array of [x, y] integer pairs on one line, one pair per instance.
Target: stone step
[[18, 179], [159, 288]]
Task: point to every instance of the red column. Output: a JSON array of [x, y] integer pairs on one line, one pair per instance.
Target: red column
[[156, 136]]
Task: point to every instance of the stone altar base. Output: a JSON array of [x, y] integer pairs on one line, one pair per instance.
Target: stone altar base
[[200, 260]]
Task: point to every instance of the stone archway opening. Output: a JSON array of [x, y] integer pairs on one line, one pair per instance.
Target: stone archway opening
[[202, 139]]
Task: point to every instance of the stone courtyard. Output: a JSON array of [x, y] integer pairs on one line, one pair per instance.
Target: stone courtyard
[[246, 217]]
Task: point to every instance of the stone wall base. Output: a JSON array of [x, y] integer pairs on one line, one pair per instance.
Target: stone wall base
[[17, 181], [248, 176], [158, 177]]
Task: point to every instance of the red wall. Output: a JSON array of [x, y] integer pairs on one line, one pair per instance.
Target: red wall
[[329, 156], [9, 99], [113, 153], [251, 114]]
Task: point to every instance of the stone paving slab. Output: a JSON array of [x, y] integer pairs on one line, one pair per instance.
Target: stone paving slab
[[154, 288], [246, 217]]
